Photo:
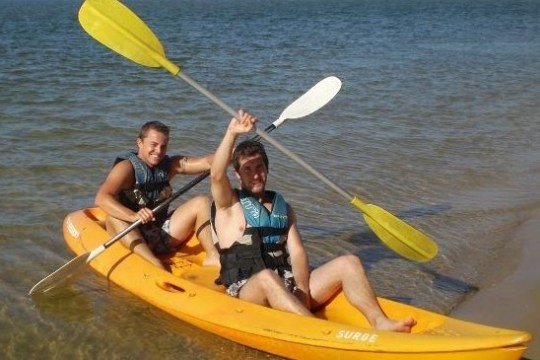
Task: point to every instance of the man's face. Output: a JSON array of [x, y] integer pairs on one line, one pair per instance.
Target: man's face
[[153, 148], [252, 174]]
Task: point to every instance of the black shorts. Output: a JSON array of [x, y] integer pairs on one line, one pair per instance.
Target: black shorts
[[157, 238]]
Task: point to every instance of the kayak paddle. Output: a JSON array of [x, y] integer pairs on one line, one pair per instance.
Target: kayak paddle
[[118, 28], [314, 99]]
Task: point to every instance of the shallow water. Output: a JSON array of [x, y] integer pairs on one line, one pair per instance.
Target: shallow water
[[437, 122]]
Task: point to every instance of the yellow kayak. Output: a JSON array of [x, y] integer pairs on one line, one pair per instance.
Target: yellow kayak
[[188, 292]]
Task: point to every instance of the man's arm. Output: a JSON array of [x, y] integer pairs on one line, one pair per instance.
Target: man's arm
[[222, 191], [298, 257], [120, 177], [191, 165]]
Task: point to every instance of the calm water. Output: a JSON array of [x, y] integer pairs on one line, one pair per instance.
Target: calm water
[[437, 121]]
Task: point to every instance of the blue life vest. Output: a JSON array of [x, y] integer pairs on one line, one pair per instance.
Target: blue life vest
[[269, 225], [267, 248], [151, 185]]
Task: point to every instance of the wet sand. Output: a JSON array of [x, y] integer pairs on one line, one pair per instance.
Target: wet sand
[[513, 301]]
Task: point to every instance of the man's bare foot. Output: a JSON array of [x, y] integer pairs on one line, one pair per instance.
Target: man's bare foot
[[212, 260], [393, 325]]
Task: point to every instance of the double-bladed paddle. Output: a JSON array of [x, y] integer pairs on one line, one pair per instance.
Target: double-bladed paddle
[[118, 28], [314, 99]]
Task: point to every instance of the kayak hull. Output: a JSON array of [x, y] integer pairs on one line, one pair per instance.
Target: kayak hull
[[187, 291]]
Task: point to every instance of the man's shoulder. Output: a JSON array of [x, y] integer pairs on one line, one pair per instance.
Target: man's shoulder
[[123, 168], [123, 163]]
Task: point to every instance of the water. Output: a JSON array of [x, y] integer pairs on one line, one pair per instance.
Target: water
[[437, 121]]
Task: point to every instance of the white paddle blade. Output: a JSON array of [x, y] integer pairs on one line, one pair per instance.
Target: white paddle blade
[[314, 99], [61, 275]]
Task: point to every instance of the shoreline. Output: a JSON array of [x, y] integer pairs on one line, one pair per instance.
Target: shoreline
[[513, 301]]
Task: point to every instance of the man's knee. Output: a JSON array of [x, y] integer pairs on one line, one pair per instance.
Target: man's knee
[[114, 224], [202, 202], [351, 262]]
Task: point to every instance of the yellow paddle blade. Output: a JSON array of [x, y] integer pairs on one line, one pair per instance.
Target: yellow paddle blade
[[396, 234], [118, 28]]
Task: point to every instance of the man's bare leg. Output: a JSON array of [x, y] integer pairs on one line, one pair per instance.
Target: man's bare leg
[[347, 273], [266, 288], [132, 240], [194, 215], [204, 235]]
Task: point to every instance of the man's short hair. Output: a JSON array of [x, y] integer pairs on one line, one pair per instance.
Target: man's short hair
[[153, 125], [248, 148]]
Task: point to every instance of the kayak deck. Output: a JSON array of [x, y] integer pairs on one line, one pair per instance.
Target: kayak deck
[[188, 291]]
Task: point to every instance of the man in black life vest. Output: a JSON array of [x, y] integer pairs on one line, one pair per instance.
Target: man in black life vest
[[263, 259], [139, 181]]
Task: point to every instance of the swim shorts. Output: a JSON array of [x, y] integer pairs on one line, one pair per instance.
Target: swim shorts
[[157, 238], [286, 277]]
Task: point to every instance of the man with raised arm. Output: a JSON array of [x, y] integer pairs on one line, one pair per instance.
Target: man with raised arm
[[263, 259]]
